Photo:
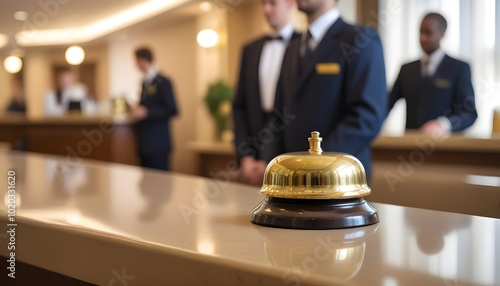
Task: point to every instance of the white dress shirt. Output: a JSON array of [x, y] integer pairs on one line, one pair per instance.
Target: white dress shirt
[[150, 75], [271, 59], [320, 26], [75, 92], [430, 64]]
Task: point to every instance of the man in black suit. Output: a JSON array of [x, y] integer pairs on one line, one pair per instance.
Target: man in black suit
[[17, 103], [437, 89], [333, 80], [156, 107], [255, 98]]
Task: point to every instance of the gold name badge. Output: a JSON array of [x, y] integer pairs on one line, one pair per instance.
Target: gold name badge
[[442, 83], [327, 68], [152, 90]]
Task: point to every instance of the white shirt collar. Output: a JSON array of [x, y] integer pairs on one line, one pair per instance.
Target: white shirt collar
[[151, 74], [285, 32], [320, 26], [435, 58]]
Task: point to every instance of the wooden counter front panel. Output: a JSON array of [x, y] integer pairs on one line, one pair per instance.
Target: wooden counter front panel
[[114, 143]]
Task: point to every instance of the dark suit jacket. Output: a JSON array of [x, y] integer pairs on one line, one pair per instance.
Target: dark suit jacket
[[154, 130], [248, 116], [342, 93], [448, 93]]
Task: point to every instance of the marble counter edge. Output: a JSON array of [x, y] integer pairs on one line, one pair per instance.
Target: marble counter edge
[[131, 244]]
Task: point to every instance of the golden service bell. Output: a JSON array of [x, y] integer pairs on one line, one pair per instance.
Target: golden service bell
[[314, 190]]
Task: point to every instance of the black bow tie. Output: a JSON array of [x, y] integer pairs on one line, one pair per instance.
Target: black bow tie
[[274, 38]]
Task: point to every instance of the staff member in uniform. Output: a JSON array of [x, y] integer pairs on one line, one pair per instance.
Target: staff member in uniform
[[333, 81], [156, 107], [68, 96], [255, 98], [437, 88]]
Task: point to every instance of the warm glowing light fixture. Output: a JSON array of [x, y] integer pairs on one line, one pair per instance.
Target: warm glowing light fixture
[[112, 23], [207, 38], [13, 64], [75, 55], [21, 15], [205, 6]]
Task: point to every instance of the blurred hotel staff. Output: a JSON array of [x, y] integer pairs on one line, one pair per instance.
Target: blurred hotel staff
[[437, 88], [17, 103], [68, 96], [254, 102], [333, 81], [156, 107]]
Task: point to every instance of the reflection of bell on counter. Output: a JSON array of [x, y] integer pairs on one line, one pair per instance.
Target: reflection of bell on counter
[[120, 106], [333, 255], [314, 190]]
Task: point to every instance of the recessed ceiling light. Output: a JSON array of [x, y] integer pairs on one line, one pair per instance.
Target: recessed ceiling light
[[205, 6], [75, 55], [21, 15], [207, 38], [13, 64]]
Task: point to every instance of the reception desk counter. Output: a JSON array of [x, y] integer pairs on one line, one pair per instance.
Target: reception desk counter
[[456, 149], [453, 150], [112, 224], [456, 174], [76, 137]]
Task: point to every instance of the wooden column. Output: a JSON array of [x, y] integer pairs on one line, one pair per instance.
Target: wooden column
[[367, 12]]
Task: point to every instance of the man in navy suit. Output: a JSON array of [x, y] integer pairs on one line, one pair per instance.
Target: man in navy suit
[[255, 97], [333, 80], [156, 107], [437, 89]]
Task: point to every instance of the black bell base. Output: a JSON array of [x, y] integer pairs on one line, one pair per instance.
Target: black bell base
[[314, 214]]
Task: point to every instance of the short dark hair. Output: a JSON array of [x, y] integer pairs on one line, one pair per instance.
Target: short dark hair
[[144, 53], [438, 17]]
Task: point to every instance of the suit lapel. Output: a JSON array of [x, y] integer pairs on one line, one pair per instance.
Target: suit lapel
[[254, 62], [143, 91], [290, 71], [440, 68], [327, 45], [146, 89]]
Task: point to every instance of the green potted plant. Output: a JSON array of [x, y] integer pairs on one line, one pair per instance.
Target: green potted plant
[[218, 100]]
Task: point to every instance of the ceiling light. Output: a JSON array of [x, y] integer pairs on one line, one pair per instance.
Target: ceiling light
[[75, 55], [13, 64], [207, 38], [21, 15], [205, 6], [112, 23]]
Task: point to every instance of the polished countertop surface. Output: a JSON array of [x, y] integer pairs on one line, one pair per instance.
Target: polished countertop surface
[[90, 220]]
